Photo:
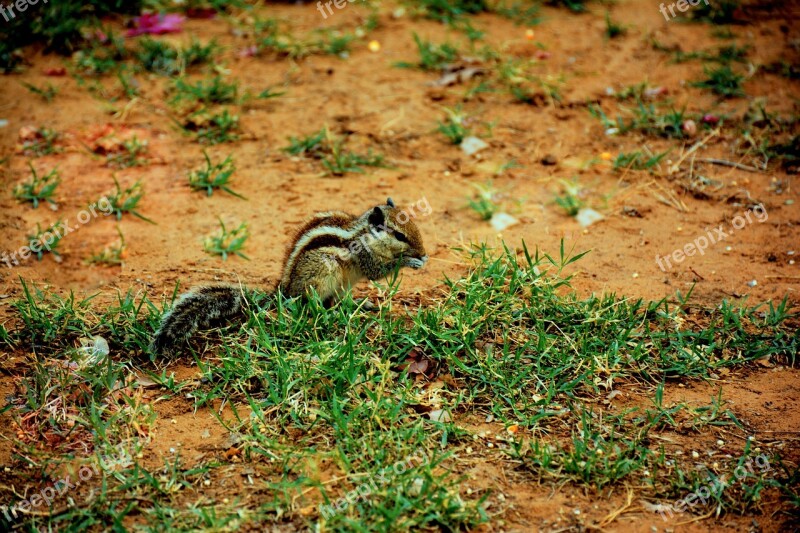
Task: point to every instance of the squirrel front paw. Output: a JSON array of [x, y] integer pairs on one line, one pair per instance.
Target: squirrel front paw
[[414, 262]]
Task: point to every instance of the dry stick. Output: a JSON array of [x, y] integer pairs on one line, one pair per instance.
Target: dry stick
[[675, 167], [726, 163], [626, 508]]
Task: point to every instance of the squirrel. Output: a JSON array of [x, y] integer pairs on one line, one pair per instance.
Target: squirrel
[[330, 253]]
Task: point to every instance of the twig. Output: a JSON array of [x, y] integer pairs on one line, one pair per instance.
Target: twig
[[626, 508], [696, 274], [726, 163], [677, 166]]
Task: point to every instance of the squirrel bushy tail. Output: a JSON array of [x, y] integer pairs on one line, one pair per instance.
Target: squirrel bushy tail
[[197, 309]]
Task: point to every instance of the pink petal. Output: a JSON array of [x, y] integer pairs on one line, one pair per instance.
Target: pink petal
[[156, 24]]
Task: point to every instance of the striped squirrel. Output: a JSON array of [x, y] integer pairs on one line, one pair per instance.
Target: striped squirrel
[[330, 252]]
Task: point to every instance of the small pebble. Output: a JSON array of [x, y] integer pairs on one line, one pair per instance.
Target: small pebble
[[752, 283], [695, 455], [720, 442]]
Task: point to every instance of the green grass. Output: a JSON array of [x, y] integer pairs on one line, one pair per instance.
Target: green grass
[[46, 240], [129, 154], [227, 242], [97, 58], [520, 12], [126, 200], [649, 119], [340, 161], [329, 150], [213, 128], [453, 128], [111, 255], [638, 160], [311, 389], [46, 92], [449, 11], [162, 58], [276, 37], [719, 12], [214, 176], [723, 55], [576, 6], [484, 202], [38, 188], [431, 56], [613, 29], [722, 81], [213, 91], [43, 143]]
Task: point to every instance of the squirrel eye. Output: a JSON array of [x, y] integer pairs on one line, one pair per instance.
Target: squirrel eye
[[399, 236]]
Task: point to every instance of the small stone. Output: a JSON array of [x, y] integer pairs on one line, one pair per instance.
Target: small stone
[[588, 216], [473, 145], [440, 415], [695, 455], [501, 221], [549, 160], [752, 283]]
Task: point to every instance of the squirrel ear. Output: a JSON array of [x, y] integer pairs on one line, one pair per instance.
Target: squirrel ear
[[389, 202], [376, 217]]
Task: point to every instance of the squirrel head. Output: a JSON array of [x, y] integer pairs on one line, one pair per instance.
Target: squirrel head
[[395, 235]]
